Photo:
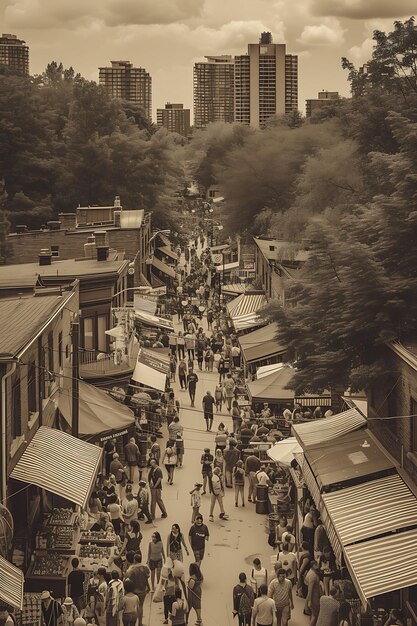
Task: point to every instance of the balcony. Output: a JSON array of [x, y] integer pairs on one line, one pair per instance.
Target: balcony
[[99, 368]]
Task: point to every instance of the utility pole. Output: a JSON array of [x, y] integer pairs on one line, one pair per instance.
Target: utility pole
[[75, 335]]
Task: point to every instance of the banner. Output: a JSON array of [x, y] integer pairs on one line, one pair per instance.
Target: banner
[[151, 369]]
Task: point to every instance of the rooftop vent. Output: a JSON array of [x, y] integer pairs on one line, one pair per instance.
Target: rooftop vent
[[45, 256]]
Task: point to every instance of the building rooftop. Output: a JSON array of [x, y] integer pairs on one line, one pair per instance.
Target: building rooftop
[[280, 250], [22, 317]]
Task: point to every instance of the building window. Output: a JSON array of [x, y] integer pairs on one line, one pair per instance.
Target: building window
[[32, 388], [16, 410], [55, 250], [60, 350]]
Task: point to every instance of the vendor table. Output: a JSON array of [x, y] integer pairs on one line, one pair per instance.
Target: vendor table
[[48, 571]]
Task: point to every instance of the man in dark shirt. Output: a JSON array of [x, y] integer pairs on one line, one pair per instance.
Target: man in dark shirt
[[51, 610], [155, 486], [252, 465], [76, 580], [198, 535], [231, 457], [208, 403], [192, 381]]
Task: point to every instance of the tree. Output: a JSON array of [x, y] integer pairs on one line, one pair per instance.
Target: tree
[[4, 225]]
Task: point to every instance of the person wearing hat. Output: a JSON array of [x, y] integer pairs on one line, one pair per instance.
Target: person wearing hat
[[195, 500], [217, 492], [69, 612], [143, 501], [51, 610]]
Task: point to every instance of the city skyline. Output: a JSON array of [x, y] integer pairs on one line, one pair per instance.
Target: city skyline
[[167, 38]]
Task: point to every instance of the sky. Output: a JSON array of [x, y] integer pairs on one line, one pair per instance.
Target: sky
[[167, 37]]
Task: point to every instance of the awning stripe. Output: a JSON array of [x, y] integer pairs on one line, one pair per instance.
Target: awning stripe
[[247, 321], [245, 304], [11, 584], [371, 509], [383, 565], [59, 463], [163, 267], [332, 535], [328, 428], [168, 252], [309, 478]]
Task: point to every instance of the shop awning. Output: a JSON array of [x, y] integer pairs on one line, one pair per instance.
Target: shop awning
[[358, 403], [234, 289], [247, 321], [272, 388], [246, 303], [145, 304], [168, 252], [383, 565], [163, 267], [154, 320], [227, 267], [59, 463], [327, 428], [99, 414], [261, 344], [283, 451], [371, 509], [349, 457], [11, 584], [152, 369]]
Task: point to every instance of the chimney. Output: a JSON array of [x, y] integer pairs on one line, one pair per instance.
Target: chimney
[[116, 203], [54, 225], [102, 245], [90, 247], [117, 218], [68, 220], [45, 256]]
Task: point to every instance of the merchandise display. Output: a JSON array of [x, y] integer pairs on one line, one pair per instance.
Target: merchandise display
[[51, 564], [91, 551]]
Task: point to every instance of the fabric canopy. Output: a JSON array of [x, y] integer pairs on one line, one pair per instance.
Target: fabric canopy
[[327, 428], [168, 252], [266, 370], [117, 332], [261, 343], [227, 267], [272, 387], [152, 369], [370, 509], [163, 267], [98, 412], [145, 304], [349, 457], [250, 320], [246, 303], [61, 464], [375, 571], [234, 288], [153, 320], [283, 451], [11, 584]]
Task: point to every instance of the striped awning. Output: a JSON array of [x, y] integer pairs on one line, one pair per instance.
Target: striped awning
[[384, 564], [11, 584], [328, 428], [332, 535], [371, 509], [247, 321], [59, 463], [168, 252], [246, 303], [163, 267]]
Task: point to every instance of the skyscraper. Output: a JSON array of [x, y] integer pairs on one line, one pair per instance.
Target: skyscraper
[[15, 53], [266, 82], [174, 118], [122, 80], [214, 90]]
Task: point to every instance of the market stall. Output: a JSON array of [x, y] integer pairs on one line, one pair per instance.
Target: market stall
[[260, 348]]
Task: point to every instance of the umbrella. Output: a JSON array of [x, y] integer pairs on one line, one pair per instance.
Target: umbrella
[[141, 398], [283, 451]]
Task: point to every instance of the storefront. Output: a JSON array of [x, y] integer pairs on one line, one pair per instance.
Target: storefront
[[244, 310]]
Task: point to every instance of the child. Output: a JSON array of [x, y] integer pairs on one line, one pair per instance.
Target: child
[[195, 500]]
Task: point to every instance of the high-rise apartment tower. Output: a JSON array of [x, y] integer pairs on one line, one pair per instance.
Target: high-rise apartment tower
[[15, 53], [214, 90], [174, 118], [122, 80], [266, 82]]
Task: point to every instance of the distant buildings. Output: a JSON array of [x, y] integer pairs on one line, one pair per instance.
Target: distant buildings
[[321, 101], [266, 82], [214, 90], [15, 53], [249, 88], [124, 81], [174, 118]]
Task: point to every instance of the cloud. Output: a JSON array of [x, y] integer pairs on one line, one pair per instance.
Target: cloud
[[43, 14], [329, 32], [363, 9], [363, 52]]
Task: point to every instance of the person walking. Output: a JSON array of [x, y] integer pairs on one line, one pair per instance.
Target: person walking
[[131, 456], [252, 465], [236, 418], [312, 581], [69, 612], [229, 391], [280, 590], [130, 507], [130, 605], [170, 461], [221, 437], [231, 457], [190, 345], [181, 345], [207, 467], [192, 381], [195, 500], [155, 484], [143, 502], [243, 599], [178, 612], [194, 591], [219, 397], [239, 482], [208, 404], [198, 536], [217, 493], [219, 461], [76, 580], [329, 609], [182, 373], [263, 612], [156, 557], [175, 542], [139, 575]]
